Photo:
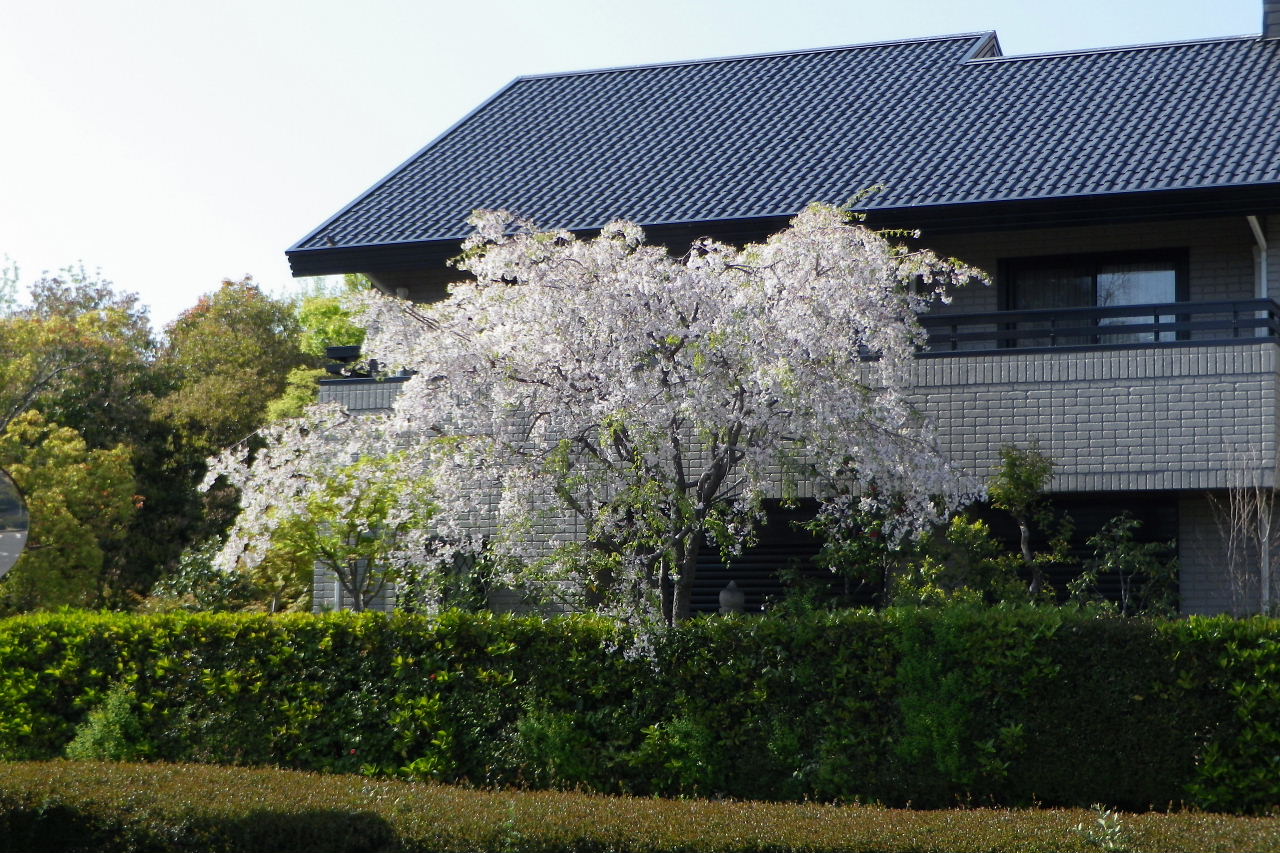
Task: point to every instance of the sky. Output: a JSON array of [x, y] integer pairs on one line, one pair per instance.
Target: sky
[[171, 144]]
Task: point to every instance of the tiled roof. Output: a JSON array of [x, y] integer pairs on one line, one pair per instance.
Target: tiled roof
[[931, 120]]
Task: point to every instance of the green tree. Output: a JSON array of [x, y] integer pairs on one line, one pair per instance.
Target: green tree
[[325, 323], [80, 501], [1018, 488], [959, 562], [301, 389], [354, 522], [1145, 572], [324, 320], [80, 353], [83, 355], [229, 354]]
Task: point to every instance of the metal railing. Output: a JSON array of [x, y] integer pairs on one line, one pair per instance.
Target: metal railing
[[1155, 324]]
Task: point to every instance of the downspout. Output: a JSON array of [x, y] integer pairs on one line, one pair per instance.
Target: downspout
[[1260, 256], [1264, 539]]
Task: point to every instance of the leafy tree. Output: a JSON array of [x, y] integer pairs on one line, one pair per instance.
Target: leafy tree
[[961, 562], [325, 320], [84, 356], [230, 354], [79, 352], [80, 500], [325, 323], [196, 584], [1018, 488], [650, 402], [1146, 572], [305, 501], [300, 390]]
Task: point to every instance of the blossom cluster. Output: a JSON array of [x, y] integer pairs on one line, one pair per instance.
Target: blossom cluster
[[607, 399]]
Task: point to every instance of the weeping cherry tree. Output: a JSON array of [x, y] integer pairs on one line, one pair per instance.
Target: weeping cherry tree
[[625, 408]]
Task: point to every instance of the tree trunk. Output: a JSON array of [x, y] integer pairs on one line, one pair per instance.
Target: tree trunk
[[357, 586], [1037, 576], [683, 606], [668, 597]]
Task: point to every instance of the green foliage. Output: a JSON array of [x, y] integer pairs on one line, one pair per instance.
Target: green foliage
[[965, 688], [112, 732], [325, 323], [1019, 484], [855, 548], [79, 501], [1106, 832], [355, 519], [300, 391], [962, 563], [322, 323], [1239, 768], [1147, 573], [129, 807], [1018, 487], [197, 585], [83, 355], [229, 354], [931, 706]]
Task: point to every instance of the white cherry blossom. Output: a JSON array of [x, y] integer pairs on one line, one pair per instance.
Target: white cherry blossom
[[623, 405]]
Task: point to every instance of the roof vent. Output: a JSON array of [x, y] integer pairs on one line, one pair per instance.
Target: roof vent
[[1271, 19]]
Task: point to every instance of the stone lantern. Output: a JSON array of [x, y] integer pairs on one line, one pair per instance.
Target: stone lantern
[[732, 599]]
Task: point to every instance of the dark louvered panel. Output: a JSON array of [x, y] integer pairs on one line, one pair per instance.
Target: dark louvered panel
[[782, 544]]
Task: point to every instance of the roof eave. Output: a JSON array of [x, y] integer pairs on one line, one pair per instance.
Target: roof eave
[[999, 215]]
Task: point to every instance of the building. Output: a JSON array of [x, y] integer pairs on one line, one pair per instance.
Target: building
[[1125, 200]]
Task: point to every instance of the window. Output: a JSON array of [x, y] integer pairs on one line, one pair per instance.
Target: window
[[1096, 281]]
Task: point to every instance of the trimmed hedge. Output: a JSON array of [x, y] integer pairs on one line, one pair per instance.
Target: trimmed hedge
[[932, 708], [72, 806]]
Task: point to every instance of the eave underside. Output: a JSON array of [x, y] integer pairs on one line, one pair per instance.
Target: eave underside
[[933, 220]]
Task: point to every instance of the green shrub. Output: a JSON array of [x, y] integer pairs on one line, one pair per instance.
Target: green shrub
[[111, 733], [934, 706]]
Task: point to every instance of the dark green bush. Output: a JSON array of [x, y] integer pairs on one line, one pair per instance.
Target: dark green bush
[[936, 707]]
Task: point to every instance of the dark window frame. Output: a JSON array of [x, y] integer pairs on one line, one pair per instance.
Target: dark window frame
[[1007, 269], [1090, 265]]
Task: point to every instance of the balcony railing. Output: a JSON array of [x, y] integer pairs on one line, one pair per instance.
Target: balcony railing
[[1156, 324]]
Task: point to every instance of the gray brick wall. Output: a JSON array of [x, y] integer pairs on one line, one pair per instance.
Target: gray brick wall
[[327, 594], [1205, 585], [1113, 420], [360, 396], [1210, 581]]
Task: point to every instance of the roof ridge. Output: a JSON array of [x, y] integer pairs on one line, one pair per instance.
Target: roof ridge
[[678, 63], [1123, 48]]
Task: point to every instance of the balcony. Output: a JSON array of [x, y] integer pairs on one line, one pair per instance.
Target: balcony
[[1151, 325], [1132, 398]]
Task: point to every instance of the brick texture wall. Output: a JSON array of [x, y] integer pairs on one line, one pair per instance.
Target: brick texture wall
[[1120, 420]]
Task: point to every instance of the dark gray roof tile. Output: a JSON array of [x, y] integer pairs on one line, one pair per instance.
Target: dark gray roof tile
[[762, 136]]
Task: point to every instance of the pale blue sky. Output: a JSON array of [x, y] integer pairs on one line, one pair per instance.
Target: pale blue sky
[[174, 143]]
